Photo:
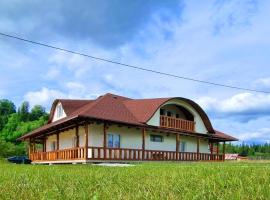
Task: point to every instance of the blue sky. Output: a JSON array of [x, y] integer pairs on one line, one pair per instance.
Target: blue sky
[[220, 41]]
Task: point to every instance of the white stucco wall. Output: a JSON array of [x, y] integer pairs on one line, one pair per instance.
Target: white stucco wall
[[49, 141], [129, 138], [199, 125], [168, 144], [95, 137]]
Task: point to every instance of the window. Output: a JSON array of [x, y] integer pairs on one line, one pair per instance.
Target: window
[[156, 138], [53, 146], [162, 111], [113, 141], [59, 111], [169, 113], [183, 146], [177, 115], [74, 141]]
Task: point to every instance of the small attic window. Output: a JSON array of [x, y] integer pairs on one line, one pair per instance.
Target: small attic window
[[59, 111]]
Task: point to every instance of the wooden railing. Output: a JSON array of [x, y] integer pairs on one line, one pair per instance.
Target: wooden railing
[[176, 123], [101, 153], [65, 154]]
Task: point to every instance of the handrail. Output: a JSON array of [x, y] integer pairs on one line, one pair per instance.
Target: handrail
[[176, 123], [101, 153]]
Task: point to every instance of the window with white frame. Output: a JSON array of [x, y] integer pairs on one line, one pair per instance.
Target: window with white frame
[[59, 111], [113, 141]]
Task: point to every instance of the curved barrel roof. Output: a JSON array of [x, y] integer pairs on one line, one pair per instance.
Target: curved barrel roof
[[116, 108]]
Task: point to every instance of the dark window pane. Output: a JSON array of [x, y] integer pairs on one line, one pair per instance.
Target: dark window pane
[[162, 112], [116, 140], [110, 140], [156, 138]]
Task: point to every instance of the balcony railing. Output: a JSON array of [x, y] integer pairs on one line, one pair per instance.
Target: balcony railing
[[176, 123], [124, 154]]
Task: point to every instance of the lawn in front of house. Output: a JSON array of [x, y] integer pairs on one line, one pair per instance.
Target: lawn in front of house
[[187, 180]]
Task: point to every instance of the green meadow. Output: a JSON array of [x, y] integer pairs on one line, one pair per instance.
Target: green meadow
[[229, 180]]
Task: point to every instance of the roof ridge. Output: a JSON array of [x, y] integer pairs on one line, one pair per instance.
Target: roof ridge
[[85, 107]]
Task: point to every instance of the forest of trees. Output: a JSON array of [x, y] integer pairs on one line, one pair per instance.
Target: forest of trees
[[251, 150], [16, 122]]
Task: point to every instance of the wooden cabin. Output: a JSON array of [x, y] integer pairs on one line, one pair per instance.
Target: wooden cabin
[[114, 128]]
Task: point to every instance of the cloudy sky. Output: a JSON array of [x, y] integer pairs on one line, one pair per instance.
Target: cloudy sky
[[220, 41]]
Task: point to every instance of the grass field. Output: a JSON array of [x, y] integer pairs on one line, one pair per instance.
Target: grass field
[[237, 180]]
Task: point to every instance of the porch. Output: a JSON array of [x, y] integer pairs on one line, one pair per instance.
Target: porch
[[95, 154]]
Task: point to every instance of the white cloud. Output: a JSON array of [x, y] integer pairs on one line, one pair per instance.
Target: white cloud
[[261, 135], [263, 82], [242, 102], [43, 97], [52, 74]]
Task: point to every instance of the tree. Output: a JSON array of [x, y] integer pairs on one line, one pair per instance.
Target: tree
[[14, 125], [23, 111], [6, 108], [36, 112]]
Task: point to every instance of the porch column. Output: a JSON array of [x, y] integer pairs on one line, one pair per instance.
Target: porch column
[[57, 141], [217, 148], [177, 145], [57, 145], [105, 140], [223, 151], [198, 148], [86, 140], [44, 144], [211, 150], [143, 142], [30, 148], [77, 136]]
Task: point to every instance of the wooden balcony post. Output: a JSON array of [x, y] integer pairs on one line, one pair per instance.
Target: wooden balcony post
[[57, 141], [177, 145], [86, 140], [198, 148], [105, 140], [223, 150], [57, 145], [211, 150], [77, 136], [143, 142], [217, 148], [30, 148], [44, 144], [34, 146]]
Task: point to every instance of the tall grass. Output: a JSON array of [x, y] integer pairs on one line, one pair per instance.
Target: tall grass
[[250, 180]]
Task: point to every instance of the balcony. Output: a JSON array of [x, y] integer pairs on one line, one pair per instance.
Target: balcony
[[80, 154], [176, 123]]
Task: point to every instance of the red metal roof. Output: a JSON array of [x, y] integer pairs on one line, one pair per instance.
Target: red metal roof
[[221, 135], [120, 109]]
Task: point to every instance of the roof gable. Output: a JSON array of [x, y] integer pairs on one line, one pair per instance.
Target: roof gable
[[69, 106]]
